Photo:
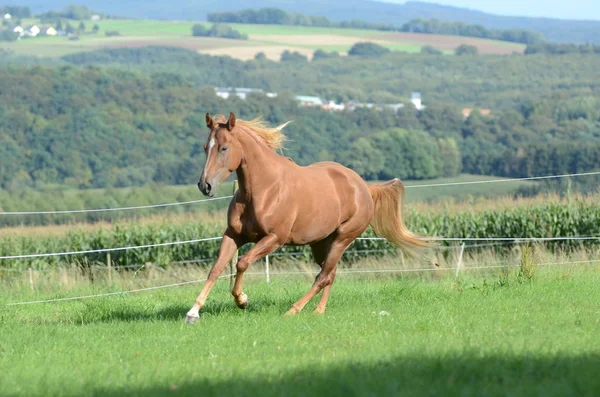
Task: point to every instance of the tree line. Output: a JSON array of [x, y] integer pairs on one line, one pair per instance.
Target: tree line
[[561, 49], [276, 16], [435, 26], [97, 126], [217, 30]]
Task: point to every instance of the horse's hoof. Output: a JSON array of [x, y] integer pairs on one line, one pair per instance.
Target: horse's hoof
[[243, 304], [291, 312], [191, 319]]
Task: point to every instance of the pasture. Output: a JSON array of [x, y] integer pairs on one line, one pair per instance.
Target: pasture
[[270, 39], [491, 333]]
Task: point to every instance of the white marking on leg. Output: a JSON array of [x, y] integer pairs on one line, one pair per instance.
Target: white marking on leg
[[193, 312], [211, 144]]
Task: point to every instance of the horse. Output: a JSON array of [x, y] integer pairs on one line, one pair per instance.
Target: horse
[[324, 205]]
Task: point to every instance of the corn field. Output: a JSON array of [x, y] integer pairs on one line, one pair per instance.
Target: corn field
[[579, 218]]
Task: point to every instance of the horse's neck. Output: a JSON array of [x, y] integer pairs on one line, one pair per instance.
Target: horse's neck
[[261, 167]]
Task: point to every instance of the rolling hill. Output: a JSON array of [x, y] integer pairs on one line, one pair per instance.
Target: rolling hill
[[272, 40], [338, 10]]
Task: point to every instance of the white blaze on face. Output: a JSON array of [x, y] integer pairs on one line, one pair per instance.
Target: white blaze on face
[[211, 144]]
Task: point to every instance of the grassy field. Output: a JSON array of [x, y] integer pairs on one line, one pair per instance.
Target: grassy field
[[270, 39], [479, 335]]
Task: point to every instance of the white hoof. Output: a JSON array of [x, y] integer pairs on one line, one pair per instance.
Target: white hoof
[[242, 303], [191, 319]]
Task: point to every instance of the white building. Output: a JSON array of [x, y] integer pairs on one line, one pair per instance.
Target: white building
[[18, 29], [31, 31], [242, 93], [415, 99], [95, 17], [48, 31], [7, 16]]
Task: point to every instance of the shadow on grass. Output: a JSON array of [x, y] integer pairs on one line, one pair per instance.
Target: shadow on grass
[[177, 312], [466, 374]]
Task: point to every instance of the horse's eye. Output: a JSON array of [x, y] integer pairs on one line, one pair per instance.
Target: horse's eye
[[224, 149]]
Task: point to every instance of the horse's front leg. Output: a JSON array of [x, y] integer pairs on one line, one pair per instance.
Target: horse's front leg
[[264, 247], [228, 248]]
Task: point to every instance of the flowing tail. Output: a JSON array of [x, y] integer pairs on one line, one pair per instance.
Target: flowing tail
[[388, 219]]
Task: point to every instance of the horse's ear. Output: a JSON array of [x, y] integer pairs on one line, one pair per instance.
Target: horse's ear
[[231, 121], [210, 123]]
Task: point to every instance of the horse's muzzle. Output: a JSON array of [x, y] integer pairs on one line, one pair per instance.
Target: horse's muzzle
[[207, 189]]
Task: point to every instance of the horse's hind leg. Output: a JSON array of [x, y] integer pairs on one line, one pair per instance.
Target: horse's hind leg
[[324, 278], [320, 309], [320, 251]]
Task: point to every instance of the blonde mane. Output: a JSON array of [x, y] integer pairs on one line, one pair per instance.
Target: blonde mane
[[272, 137]]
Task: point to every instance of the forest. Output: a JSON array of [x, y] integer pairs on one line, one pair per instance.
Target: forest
[[128, 117]]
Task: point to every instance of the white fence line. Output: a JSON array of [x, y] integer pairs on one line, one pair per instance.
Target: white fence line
[[113, 209], [341, 271], [228, 197], [496, 239], [110, 249], [532, 178]]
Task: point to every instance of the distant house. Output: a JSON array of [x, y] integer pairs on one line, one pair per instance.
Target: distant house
[[466, 112], [7, 16], [95, 17], [334, 106], [309, 101], [48, 31], [415, 99], [17, 29], [31, 31], [242, 93]]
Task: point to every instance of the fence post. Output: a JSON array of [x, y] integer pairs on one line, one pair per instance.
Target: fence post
[[109, 265], [148, 268], [460, 257], [235, 256], [31, 279], [267, 268]]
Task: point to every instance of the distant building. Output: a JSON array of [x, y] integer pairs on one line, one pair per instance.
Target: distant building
[[309, 101], [95, 17], [242, 93], [48, 31], [7, 16], [31, 31], [415, 99], [17, 29], [334, 106]]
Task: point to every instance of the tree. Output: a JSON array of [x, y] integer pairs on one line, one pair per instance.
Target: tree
[[95, 28], [430, 50], [367, 50], [320, 54], [81, 28], [466, 49], [293, 56], [199, 30]]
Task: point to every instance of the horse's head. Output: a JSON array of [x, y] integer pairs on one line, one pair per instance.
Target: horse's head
[[223, 154]]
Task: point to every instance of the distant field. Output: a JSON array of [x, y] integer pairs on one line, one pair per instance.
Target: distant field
[[270, 39]]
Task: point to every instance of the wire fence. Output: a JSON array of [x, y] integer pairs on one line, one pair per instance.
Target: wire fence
[[293, 273], [505, 180], [491, 241]]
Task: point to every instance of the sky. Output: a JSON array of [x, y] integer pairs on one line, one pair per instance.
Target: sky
[[574, 9]]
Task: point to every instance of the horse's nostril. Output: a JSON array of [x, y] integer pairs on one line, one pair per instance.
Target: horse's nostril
[[208, 187]]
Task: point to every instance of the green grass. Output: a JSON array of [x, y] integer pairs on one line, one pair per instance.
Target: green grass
[[379, 337]]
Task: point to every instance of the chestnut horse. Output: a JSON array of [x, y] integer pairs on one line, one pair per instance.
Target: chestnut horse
[[324, 205]]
